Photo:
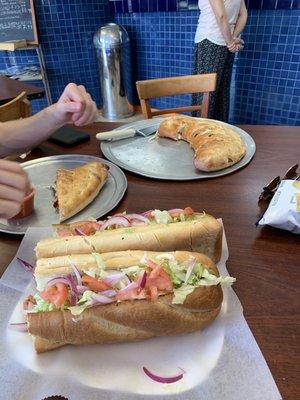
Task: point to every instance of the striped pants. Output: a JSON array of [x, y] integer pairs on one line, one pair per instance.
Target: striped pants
[[211, 57]]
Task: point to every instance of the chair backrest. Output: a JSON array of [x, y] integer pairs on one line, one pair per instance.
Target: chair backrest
[[17, 108], [148, 89]]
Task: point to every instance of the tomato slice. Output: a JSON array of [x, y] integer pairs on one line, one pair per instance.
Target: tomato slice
[[153, 293], [188, 211], [56, 294], [159, 278], [95, 284], [86, 227]]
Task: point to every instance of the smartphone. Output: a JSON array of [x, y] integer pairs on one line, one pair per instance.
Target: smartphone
[[67, 136]]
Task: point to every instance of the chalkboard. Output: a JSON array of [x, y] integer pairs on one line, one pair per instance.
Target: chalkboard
[[17, 21]]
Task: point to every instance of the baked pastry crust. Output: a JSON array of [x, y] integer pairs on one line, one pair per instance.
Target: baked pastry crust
[[78, 187], [216, 146]]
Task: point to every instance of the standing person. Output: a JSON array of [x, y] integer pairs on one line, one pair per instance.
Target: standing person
[[217, 39]]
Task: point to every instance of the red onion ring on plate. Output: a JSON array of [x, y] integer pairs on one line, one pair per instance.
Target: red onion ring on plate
[[26, 265], [162, 379]]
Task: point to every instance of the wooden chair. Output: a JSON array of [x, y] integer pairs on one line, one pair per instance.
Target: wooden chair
[[17, 108], [148, 89]]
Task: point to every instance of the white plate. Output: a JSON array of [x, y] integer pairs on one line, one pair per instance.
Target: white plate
[[165, 158], [42, 174]]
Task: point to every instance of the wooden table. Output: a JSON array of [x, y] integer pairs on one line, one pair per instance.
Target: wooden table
[[11, 88], [265, 261]]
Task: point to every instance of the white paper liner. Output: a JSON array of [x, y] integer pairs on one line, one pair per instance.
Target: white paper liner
[[221, 362]]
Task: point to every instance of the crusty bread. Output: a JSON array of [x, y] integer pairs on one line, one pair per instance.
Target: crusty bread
[[216, 146], [128, 320], [203, 235]]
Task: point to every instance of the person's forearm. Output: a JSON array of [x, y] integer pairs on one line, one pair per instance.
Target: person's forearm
[[21, 135], [241, 21], [225, 29], [240, 25], [222, 20]]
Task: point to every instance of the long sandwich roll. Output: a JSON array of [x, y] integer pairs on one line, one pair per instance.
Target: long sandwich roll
[[122, 296], [171, 230]]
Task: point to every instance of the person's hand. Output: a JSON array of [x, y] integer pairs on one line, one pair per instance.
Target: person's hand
[[14, 185], [236, 45], [75, 106]]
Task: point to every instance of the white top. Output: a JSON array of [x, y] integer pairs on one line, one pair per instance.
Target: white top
[[208, 27]]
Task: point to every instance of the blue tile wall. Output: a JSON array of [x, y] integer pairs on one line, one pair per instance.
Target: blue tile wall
[[266, 76], [136, 6], [266, 79], [66, 32]]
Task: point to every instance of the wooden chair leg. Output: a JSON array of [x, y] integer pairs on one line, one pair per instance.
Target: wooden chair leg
[[146, 109], [204, 105]]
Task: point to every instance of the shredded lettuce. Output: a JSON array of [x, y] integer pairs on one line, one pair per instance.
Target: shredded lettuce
[[82, 304], [162, 217], [128, 230], [134, 270], [181, 293], [100, 270], [41, 305]]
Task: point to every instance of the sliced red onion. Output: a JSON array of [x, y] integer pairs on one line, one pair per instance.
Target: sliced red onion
[[20, 326], [138, 217], [136, 222], [175, 210], [59, 279], [148, 213], [109, 293], [143, 281], [132, 285], [68, 280], [190, 267], [26, 265], [73, 299], [114, 278], [161, 379], [99, 298], [77, 274], [81, 289], [79, 232], [72, 283], [123, 221]]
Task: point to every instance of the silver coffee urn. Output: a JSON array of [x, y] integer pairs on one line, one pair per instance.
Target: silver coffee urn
[[113, 52]]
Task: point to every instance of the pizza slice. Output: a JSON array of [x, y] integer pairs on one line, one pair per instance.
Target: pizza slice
[[78, 187]]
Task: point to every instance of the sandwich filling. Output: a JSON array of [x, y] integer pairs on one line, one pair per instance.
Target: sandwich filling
[[124, 220], [149, 279]]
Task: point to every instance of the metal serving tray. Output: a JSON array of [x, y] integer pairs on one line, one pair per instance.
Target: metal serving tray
[[165, 158], [42, 174]]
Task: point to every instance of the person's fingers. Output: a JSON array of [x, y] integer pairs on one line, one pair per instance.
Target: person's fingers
[[89, 114], [9, 209], [18, 181], [72, 92], [11, 193], [71, 107], [11, 166]]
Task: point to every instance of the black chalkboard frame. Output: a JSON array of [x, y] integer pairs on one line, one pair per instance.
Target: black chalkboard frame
[[34, 26], [35, 40]]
